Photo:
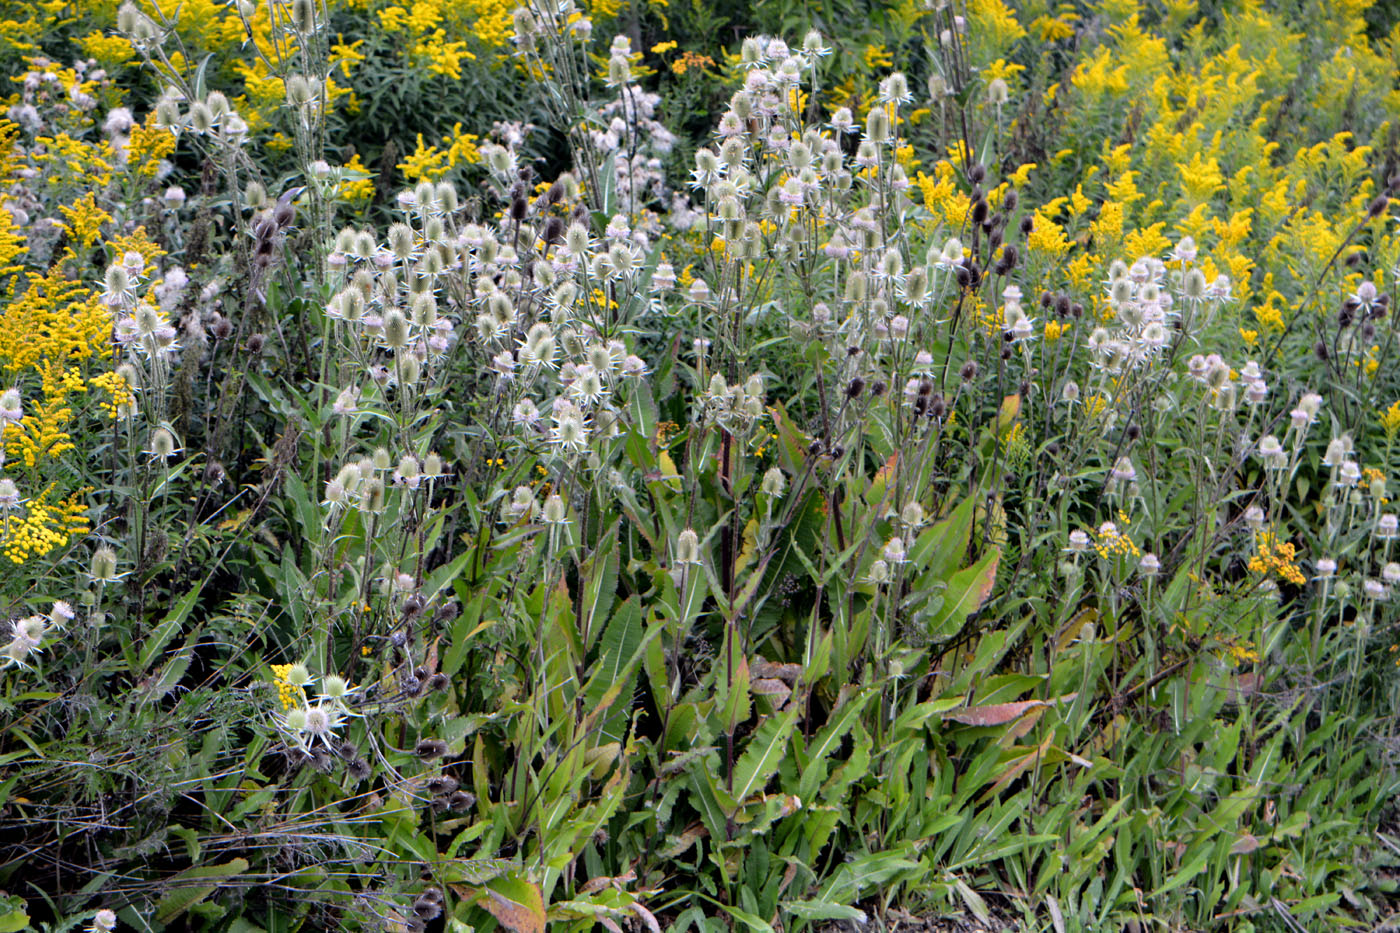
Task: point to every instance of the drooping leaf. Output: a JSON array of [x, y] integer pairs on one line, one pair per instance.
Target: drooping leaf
[[995, 714], [516, 903], [775, 690]]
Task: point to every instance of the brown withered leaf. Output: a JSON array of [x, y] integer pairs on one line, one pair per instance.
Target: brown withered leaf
[[1021, 726], [1245, 845], [518, 917], [770, 687], [763, 668], [999, 714], [679, 845], [594, 885], [647, 916]]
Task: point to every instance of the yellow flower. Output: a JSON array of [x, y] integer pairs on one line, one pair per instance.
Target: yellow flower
[[1109, 542], [290, 695], [1390, 422], [1149, 241], [1200, 178], [359, 184], [85, 220], [443, 57], [691, 61], [1052, 30], [55, 318], [877, 57], [148, 147], [432, 163], [1273, 556], [994, 19], [1003, 70], [120, 398], [346, 56], [45, 526], [1097, 77], [110, 51], [1047, 238], [1108, 227]]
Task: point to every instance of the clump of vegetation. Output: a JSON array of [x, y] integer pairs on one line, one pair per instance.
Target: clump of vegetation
[[557, 465]]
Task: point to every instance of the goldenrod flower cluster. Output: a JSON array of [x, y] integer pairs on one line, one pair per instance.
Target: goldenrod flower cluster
[[1390, 422], [119, 396], [433, 162], [46, 526], [1109, 542], [1276, 557], [290, 695]]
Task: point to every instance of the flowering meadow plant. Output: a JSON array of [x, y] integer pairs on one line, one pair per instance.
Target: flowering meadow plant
[[573, 463]]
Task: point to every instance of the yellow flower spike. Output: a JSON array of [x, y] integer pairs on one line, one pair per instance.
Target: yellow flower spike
[[1390, 421], [148, 147], [85, 220]]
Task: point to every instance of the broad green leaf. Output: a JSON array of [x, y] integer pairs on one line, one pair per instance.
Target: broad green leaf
[[814, 757], [475, 870], [967, 590], [194, 885], [168, 628], [516, 903], [939, 549], [616, 664], [765, 752]]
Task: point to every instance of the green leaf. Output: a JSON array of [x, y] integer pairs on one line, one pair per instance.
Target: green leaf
[[169, 628], [615, 665], [853, 879], [752, 921], [940, 549], [765, 752], [814, 758], [599, 573], [13, 915], [1183, 875], [824, 910], [792, 443], [475, 870], [191, 887], [516, 903], [732, 682], [967, 590]]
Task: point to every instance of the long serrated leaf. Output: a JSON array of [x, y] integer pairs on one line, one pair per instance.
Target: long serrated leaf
[[194, 885], [967, 590], [168, 628], [829, 739], [600, 586], [616, 663], [765, 752], [940, 549]]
